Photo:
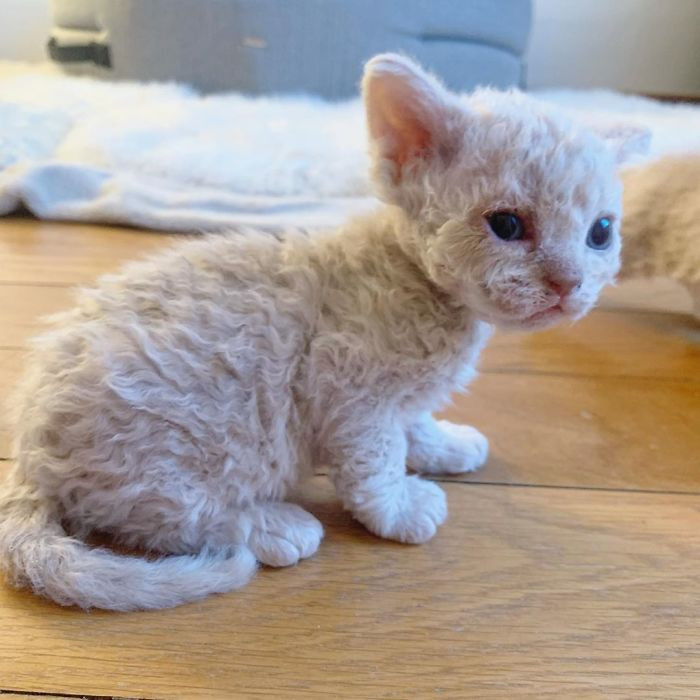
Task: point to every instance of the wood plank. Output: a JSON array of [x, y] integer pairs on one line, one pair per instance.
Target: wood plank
[[528, 593], [597, 432], [22, 308], [40, 252], [604, 343], [43, 696], [648, 294], [11, 363]]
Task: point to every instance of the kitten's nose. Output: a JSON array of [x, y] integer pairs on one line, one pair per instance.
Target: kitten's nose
[[563, 285]]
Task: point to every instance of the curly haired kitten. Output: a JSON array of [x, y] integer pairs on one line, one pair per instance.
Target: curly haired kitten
[[174, 407]]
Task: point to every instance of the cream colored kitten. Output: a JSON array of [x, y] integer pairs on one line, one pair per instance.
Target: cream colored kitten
[[180, 400], [661, 226]]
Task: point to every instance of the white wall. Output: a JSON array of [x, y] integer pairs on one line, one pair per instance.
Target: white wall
[[24, 29], [650, 46]]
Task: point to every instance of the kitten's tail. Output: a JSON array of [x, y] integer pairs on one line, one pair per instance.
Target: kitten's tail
[[35, 551]]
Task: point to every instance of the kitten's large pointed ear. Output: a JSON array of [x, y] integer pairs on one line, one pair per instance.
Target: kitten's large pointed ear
[[409, 112], [626, 140]]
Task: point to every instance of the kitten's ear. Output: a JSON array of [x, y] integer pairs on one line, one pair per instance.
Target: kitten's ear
[[626, 140], [409, 112]]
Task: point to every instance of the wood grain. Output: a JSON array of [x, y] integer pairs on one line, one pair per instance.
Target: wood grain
[[44, 696], [528, 593], [37, 252], [598, 432], [11, 363], [604, 343], [656, 294], [23, 306]]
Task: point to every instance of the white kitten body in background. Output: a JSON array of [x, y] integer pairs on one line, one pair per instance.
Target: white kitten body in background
[[177, 404], [661, 226]]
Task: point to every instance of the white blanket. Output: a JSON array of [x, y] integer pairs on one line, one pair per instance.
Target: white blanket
[[162, 156]]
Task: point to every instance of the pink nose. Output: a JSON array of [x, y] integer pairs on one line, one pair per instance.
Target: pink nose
[[563, 286]]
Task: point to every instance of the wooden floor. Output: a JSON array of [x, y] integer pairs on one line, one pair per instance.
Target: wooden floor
[[569, 567]]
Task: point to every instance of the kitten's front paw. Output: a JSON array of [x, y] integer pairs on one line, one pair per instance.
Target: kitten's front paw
[[457, 449], [411, 514]]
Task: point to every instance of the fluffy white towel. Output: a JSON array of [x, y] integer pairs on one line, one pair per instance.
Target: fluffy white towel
[[164, 157]]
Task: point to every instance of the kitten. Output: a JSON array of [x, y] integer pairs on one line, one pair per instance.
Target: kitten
[[660, 227], [176, 405]]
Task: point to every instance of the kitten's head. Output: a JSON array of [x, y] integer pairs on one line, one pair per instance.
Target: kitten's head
[[510, 207]]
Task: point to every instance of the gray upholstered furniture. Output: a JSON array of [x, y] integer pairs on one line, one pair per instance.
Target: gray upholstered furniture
[[262, 46]]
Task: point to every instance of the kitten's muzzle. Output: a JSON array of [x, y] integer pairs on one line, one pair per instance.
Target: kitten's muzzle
[[563, 285]]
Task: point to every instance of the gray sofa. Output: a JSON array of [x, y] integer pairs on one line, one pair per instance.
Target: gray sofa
[[282, 46]]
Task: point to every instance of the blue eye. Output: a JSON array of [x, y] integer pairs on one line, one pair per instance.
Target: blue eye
[[506, 225], [600, 234]]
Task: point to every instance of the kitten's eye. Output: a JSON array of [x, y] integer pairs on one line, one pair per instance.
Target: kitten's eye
[[600, 234], [506, 225]]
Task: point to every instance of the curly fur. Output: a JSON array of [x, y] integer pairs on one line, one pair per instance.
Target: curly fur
[[177, 403], [661, 226]]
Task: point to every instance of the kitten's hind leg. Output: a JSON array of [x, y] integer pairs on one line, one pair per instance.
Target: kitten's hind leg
[[283, 533], [441, 447], [277, 533]]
